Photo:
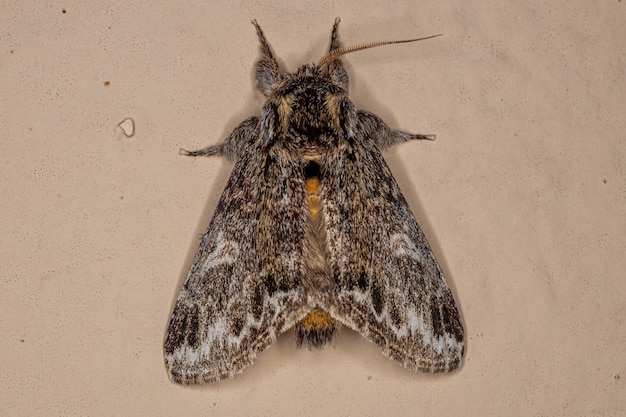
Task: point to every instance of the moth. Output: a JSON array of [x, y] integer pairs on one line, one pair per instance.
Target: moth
[[311, 232]]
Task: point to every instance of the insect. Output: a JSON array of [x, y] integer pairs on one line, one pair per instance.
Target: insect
[[311, 232]]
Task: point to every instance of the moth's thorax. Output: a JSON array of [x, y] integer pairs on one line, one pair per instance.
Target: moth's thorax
[[308, 106]]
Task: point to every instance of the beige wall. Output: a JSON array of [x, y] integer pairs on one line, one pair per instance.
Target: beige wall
[[522, 197]]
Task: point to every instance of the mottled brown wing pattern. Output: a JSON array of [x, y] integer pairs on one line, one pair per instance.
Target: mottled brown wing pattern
[[241, 293], [387, 284]]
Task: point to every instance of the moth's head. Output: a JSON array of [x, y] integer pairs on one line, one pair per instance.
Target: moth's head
[[303, 107], [312, 103], [269, 76]]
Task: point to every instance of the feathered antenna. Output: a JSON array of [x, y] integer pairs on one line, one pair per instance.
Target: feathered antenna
[[336, 53]]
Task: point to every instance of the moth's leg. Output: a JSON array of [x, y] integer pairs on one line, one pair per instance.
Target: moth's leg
[[382, 135], [234, 144]]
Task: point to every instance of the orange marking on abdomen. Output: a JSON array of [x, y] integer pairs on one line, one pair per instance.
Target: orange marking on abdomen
[[317, 319], [313, 200]]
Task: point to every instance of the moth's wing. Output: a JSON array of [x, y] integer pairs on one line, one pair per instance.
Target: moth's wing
[[244, 286], [387, 283]]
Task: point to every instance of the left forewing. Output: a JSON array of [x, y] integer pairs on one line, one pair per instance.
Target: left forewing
[[244, 286]]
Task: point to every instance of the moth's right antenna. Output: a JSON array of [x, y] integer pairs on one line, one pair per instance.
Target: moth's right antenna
[[336, 53]]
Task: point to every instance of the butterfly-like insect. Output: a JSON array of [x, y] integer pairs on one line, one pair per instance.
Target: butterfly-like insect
[[311, 231]]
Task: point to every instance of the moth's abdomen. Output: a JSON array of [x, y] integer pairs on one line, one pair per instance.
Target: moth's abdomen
[[318, 327], [313, 199]]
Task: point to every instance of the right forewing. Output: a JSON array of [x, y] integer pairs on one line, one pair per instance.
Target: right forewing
[[387, 283]]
